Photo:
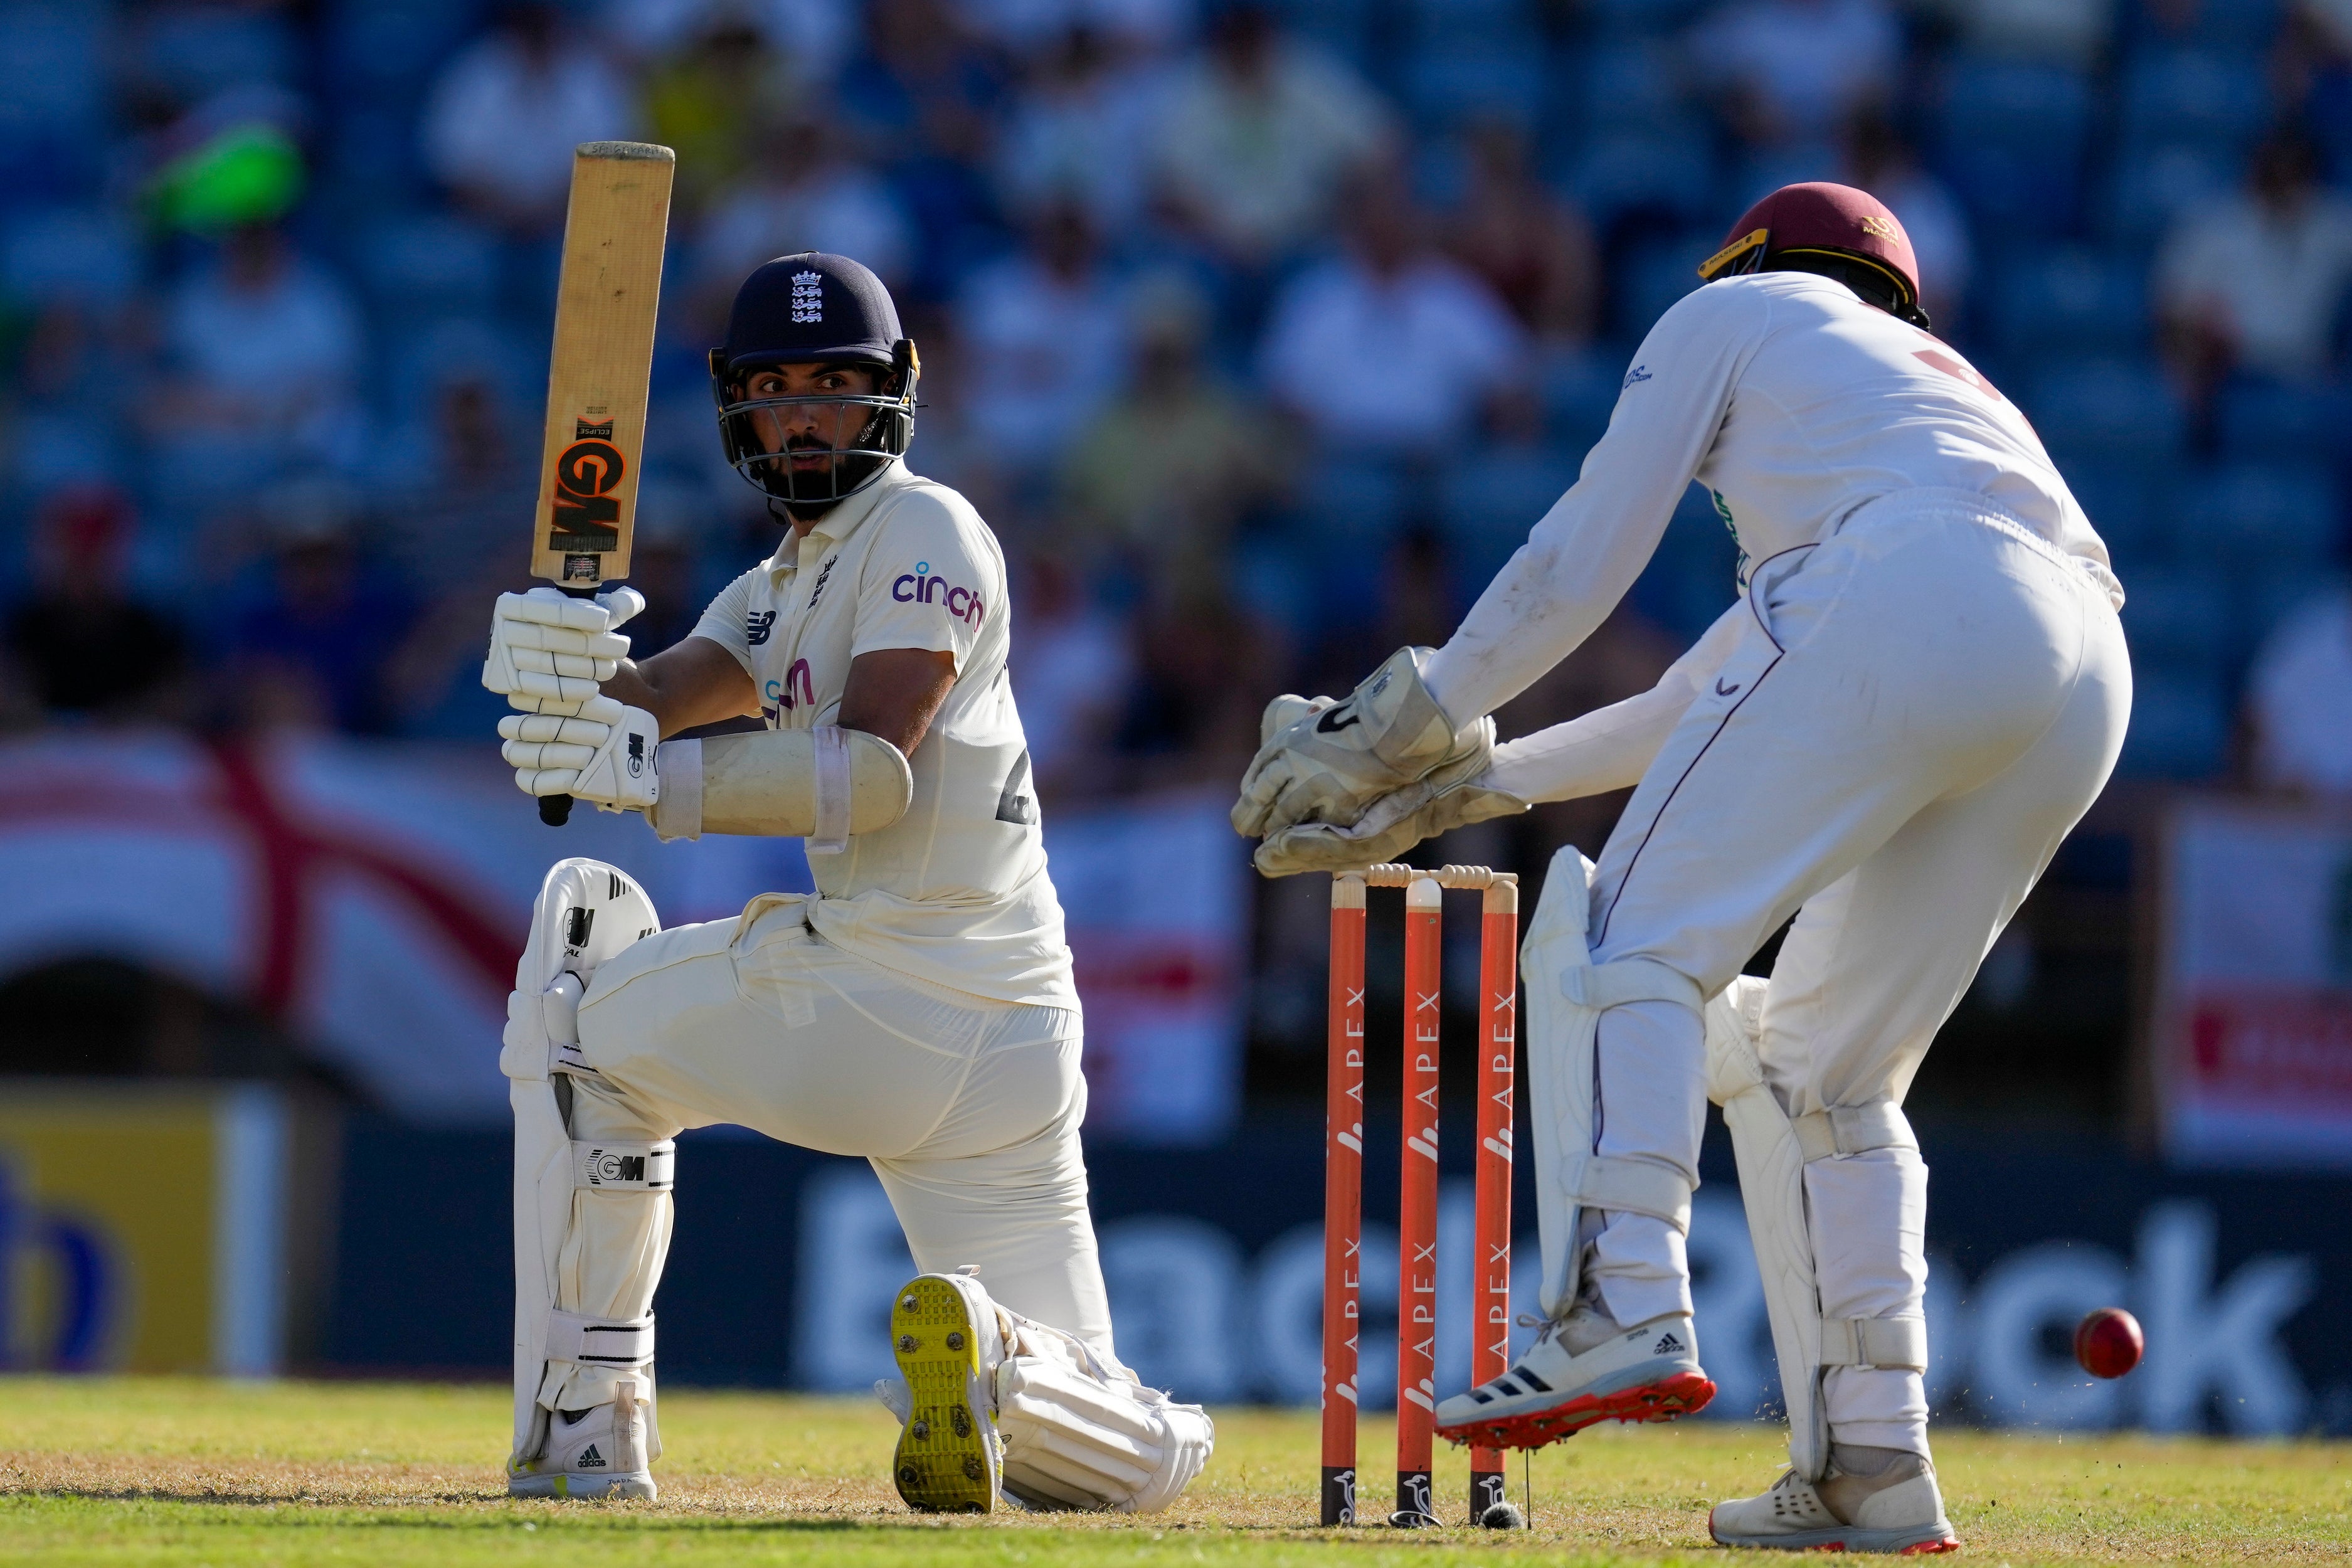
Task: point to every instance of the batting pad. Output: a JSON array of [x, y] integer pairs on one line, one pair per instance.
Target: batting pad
[[587, 912], [1081, 1433]]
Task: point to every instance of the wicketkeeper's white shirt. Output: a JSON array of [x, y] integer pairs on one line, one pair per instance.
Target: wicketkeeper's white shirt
[[955, 892], [1795, 403]]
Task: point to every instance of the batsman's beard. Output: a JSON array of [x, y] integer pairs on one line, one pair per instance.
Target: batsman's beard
[[806, 470]]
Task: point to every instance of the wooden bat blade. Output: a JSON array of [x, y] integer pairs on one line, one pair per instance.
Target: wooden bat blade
[[602, 365]]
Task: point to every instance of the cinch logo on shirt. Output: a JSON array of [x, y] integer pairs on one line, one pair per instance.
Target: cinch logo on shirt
[[919, 586]]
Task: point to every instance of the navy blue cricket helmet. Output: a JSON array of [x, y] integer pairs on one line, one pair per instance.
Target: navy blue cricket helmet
[[813, 309]]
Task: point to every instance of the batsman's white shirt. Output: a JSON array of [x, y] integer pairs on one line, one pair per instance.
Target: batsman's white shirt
[[956, 891]]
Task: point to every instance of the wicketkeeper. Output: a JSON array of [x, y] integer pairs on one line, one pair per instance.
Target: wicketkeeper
[[1920, 689], [918, 1010]]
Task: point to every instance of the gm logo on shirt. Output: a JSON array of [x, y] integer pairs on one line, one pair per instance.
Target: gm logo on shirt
[[919, 586]]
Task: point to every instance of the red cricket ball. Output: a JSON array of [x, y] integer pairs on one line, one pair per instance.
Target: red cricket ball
[[2108, 1342]]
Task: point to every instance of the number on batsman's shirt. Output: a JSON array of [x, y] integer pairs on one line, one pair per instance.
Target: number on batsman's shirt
[[956, 892]]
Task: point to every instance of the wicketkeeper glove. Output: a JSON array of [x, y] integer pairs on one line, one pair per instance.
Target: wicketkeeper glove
[[1394, 824], [1327, 762], [604, 755], [548, 649]]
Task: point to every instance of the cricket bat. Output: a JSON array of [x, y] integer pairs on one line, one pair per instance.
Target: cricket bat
[[605, 303]]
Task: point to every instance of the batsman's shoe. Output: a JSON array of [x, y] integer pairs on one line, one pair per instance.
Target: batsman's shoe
[[1894, 1506], [944, 1331], [597, 1452], [1582, 1370]]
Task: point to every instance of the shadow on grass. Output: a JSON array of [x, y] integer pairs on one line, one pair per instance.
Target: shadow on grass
[[485, 1511]]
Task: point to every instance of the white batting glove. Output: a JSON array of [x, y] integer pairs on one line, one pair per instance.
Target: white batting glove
[[550, 648], [604, 755]]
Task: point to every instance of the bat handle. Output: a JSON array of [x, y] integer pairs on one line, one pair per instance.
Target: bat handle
[[555, 810]]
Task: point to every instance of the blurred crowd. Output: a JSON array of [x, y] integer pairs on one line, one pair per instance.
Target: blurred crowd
[[1261, 331]]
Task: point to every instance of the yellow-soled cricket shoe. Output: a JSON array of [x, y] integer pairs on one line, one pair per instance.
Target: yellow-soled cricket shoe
[[944, 1334]]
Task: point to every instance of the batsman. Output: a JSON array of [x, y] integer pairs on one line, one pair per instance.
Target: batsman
[[1919, 690], [918, 1010]]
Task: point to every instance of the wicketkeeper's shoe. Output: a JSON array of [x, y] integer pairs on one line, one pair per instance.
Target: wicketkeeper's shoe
[[596, 1452], [1583, 1369], [944, 1331], [1873, 1500]]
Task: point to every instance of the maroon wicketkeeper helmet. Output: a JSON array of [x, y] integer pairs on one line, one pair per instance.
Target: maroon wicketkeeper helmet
[[1834, 230]]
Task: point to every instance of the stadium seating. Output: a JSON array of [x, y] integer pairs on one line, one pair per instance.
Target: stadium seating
[[2109, 406], [2011, 137]]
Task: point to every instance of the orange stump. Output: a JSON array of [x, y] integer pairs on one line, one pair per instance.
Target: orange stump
[[1343, 1169], [1490, 1312], [1424, 945], [1343, 1199]]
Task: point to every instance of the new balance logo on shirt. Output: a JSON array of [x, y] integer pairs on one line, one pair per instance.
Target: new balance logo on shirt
[[758, 625]]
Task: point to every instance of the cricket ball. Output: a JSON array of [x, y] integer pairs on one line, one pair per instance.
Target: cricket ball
[[2108, 1342]]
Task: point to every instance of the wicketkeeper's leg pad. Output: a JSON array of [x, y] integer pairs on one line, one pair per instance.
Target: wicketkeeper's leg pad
[[591, 1212], [1567, 995], [1772, 1150]]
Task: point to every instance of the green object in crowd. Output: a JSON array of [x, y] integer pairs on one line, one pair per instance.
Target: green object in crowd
[[247, 173]]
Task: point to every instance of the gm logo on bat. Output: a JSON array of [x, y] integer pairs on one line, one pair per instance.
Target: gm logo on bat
[[919, 586], [585, 474]]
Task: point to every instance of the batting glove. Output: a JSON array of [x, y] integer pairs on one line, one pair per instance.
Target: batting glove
[[550, 648], [604, 755]]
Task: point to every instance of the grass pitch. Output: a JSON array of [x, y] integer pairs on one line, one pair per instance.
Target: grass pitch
[[175, 1473]]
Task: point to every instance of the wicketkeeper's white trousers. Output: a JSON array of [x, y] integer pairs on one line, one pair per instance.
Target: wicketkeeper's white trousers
[[967, 1109], [1925, 705]]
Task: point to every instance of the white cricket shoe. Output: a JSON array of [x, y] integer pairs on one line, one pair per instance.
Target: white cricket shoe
[[1873, 1500], [596, 1452], [1583, 1369]]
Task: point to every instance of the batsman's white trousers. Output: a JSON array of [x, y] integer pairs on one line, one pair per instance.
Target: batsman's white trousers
[[1923, 706], [967, 1109]]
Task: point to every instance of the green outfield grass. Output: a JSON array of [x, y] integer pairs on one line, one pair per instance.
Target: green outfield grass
[[182, 1472]]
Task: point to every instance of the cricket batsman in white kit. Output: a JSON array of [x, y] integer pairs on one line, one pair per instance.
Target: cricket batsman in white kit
[[918, 1010], [1920, 689]]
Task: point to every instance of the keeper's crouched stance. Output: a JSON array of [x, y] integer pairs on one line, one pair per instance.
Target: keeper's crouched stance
[[917, 1011], [1921, 688]]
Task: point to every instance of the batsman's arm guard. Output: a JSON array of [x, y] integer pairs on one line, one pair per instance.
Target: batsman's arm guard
[[1567, 992], [1772, 1150], [821, 784]]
